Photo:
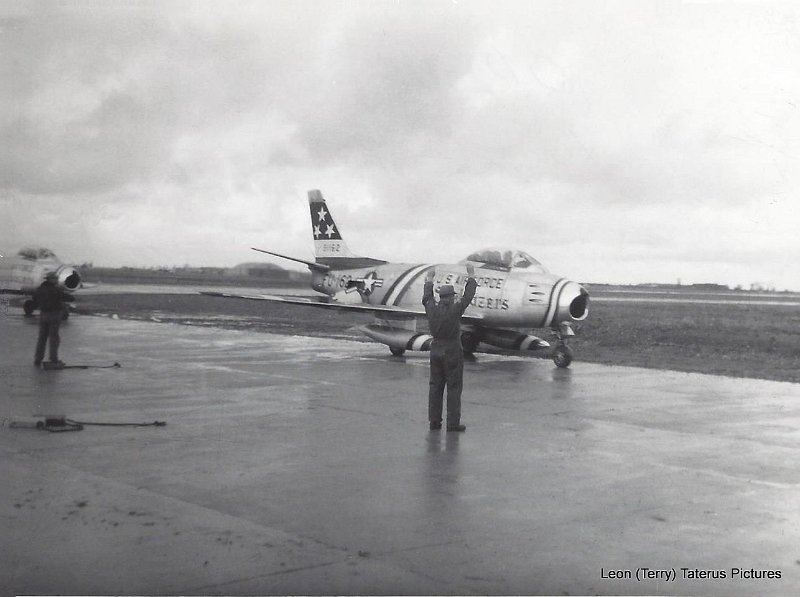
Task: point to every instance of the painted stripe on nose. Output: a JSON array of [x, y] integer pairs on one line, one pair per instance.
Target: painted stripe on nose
[[553, 303]]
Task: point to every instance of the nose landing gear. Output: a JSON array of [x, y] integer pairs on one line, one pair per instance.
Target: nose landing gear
[[562, 354]]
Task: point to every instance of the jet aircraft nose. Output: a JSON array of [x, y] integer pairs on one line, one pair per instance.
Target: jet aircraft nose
[[68, 278], [572, 304]]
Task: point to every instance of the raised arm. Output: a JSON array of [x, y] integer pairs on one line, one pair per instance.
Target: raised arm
[[469, 288], [427, 292]]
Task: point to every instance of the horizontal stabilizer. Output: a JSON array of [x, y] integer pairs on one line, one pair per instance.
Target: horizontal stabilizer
[[311, 264], [350, 262]]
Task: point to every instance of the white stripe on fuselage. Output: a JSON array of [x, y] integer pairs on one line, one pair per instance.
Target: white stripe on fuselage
[[403, 283], [551, 310]]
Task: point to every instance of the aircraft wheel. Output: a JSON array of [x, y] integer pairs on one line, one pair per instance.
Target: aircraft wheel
[[469, 342], [28, 307], [562, 356], [397, 351]]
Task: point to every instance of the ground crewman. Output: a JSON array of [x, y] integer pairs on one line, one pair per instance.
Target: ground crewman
[[50, 299], [447, 357]]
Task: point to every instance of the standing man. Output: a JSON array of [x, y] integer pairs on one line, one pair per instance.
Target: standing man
[[447, 357], [50, 299]]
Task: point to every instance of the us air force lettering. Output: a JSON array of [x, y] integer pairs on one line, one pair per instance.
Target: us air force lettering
[[515, 294]]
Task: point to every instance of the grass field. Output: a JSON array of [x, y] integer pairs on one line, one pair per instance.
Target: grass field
[[739, 340], [761, 341]]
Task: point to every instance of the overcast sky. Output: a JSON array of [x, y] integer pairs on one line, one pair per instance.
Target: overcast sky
[[616, 142]]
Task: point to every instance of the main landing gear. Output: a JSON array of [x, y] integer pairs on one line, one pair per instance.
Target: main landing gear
[[29, 307], [469, 343], [398, 352]]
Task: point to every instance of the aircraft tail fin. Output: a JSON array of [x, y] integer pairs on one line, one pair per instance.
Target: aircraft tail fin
[[329, 246]]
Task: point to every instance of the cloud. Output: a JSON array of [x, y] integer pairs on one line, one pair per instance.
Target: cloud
[[384, 82], [78, 118], [597, 137]]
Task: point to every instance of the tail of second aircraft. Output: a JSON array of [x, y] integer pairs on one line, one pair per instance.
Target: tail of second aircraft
[[329, 246]]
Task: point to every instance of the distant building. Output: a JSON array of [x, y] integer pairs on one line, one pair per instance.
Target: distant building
[[203, 271], [709, 286]]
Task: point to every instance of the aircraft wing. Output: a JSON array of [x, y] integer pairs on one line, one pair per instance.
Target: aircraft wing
[[322, 303]]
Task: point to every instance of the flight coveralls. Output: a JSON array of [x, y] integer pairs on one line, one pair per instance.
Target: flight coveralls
[[447, 357], [50, 300]]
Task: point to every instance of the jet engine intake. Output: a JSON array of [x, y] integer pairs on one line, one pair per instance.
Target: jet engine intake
[[572, 305], [68, 278]]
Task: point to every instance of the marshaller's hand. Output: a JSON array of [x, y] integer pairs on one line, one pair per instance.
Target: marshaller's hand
[[430, 275], [470, 270]]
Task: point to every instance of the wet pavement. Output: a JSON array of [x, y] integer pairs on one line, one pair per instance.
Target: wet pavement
[[297, 465]]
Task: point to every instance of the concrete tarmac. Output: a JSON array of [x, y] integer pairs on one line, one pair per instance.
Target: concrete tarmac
[[297, 465]]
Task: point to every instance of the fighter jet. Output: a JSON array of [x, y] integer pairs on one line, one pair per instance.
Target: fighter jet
[[23, 273], [515, 294]]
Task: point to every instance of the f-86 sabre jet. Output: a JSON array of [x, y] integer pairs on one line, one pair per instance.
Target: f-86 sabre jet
[[23, 273], [515, 294]]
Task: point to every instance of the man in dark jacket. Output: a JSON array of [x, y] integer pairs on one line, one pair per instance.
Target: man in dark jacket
[[50, 299], [447, 357]]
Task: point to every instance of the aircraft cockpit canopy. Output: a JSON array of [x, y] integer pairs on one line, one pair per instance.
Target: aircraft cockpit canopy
[[36, 253], [504, 258]]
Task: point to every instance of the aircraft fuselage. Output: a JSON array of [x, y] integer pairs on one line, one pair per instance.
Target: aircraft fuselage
[[23, 275], [514, 290], [503, 298]]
